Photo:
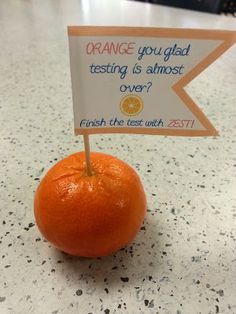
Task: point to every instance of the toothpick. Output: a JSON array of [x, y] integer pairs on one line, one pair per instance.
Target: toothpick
[[87, 155]]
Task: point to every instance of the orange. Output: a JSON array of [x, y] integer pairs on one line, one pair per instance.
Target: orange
[[131, 105], [94, 215]]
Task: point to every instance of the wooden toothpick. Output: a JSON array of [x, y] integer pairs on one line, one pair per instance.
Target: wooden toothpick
[[87, 155]]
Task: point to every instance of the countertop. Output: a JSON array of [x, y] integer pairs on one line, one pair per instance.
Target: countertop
[[183, 260]]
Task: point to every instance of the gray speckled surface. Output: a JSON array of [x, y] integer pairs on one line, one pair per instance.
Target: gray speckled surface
[[183, 259]]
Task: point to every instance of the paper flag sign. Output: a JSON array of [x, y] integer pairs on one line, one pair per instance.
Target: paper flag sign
[[132, 79]]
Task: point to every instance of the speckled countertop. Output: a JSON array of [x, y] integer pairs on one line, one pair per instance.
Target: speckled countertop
[[183, 260]]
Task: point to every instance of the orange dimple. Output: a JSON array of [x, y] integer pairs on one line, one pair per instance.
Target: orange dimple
[[90, 215]]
